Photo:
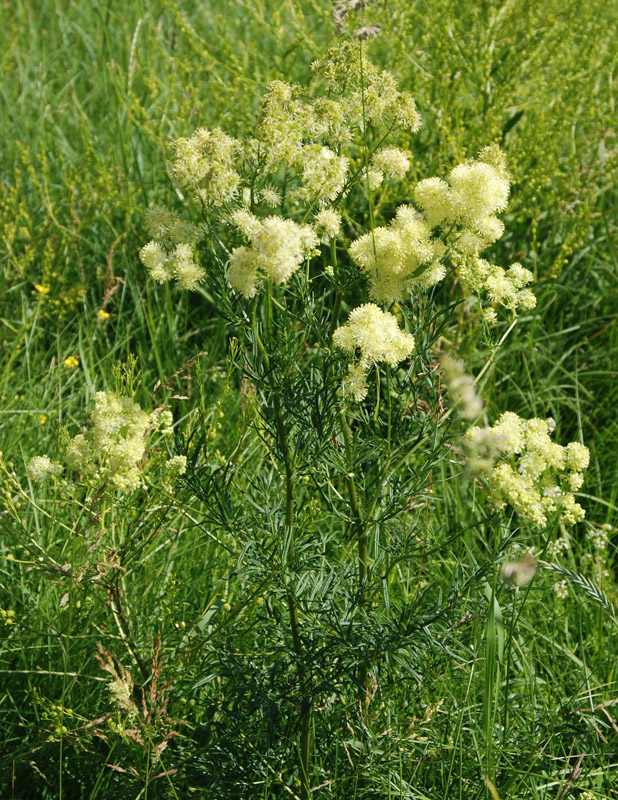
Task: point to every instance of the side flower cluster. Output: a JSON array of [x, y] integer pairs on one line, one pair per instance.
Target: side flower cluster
[[463, 210], [533, 474], [374, 335], [367, 93], [113, 445], [457, 218], [204, 166], [506, 288], [170, 252], [42, 467]]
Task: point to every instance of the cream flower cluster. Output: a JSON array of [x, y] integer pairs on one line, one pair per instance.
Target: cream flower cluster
[[468, 203], [278, 248], [167, 228], [328, 222], [174, 469], [282, 123], [324, 174], [464, 209], [367, 93], [176, 466], [376, 334], [296, 134], [533, 474], [113, 444], [40, 468], [399, 257], [178, 263], [507, 288], [170, 252], [392, 162], [204, 165], [306, 135], [460, 213]]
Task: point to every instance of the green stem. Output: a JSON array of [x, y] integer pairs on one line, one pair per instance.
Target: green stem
[[366, 151], [338, 293], [514, 620], [362, 539], [118, 612], [495, 350], [306, 741]]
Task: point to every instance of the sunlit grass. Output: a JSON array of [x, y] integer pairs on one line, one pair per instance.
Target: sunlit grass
[[516, 685]]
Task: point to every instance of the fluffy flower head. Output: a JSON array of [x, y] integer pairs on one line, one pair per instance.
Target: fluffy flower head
[[179, 264], [376, 334], [204, 165], [328, 222], [466, 205], [114, 443], [477, 190], [278, 248], [506, 288], [166, 227], [393, 162], [41, 467], [324, 173], [461, 388], [533, 474], [399, 257]]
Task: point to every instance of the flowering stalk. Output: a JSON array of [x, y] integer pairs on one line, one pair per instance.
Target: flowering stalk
[[274, 201], [338, 292]]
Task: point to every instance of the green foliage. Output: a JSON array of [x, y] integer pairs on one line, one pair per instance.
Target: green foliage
[[429, 673]]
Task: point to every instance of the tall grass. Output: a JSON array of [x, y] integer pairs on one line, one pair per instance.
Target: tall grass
[[517, 686]]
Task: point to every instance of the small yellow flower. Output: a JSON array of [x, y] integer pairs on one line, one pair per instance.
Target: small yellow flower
[[71, 362], [41, 289], [7, 616], [42, 418], [102, 315]]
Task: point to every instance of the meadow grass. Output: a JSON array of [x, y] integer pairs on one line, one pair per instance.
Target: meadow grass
[[517, 686]]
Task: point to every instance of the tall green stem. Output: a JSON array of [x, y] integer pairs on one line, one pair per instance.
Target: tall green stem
[[338, 292], [366, 149], [361, 533], [306, 741]]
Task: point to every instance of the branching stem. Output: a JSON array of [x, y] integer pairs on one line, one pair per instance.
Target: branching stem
[[360, 530], [287, 456]]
